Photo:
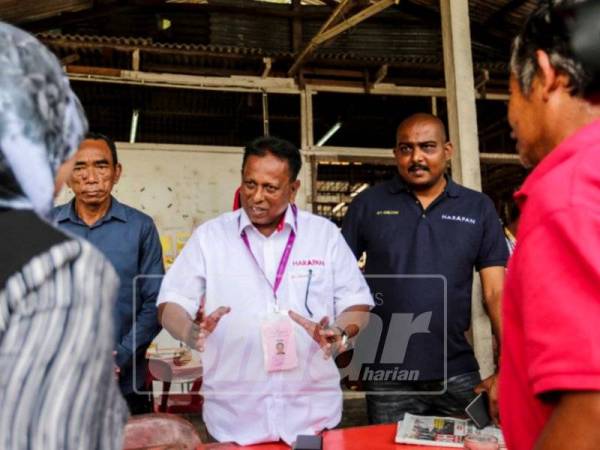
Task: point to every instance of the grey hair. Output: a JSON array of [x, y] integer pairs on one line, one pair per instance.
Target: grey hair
[[544, 32]]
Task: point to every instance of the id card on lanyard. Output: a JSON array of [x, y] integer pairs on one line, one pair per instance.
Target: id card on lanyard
[[277, 331]]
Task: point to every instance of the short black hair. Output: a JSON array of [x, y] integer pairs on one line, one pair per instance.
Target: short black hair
[[279, 148], [545, 30], [111, 144]]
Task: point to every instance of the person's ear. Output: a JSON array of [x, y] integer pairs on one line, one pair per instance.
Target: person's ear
[[448, 151], [118, 172], [548, 78], [295, 187]]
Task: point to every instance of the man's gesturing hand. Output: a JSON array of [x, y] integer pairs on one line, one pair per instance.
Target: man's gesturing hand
[[328, 338], [200, 329]]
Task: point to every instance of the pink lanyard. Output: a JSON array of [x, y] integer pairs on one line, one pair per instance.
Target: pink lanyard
[[284, 258]]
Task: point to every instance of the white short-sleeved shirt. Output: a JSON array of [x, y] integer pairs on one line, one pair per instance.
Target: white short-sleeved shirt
[[243, 403]]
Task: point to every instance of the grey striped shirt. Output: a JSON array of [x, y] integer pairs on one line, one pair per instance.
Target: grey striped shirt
[[57, 386]]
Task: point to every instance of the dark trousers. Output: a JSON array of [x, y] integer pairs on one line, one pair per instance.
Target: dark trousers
[[390, 407], [139, 403]]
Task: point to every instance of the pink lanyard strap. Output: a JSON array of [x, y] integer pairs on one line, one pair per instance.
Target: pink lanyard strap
[[284, 258]]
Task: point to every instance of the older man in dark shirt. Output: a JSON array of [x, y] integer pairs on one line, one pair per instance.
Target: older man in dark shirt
[[129, 239]]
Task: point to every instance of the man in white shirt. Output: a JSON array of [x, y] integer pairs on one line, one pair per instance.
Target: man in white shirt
[[269, 275]]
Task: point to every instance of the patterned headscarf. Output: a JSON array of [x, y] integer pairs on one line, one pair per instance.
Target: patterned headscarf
[[41, 121]]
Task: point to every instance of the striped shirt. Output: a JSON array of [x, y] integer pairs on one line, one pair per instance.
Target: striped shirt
[[57, 386]]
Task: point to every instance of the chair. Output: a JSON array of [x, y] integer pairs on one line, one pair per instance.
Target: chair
[[175, 403]]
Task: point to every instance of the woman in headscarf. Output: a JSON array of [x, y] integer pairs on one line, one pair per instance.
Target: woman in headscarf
[[57, 386]]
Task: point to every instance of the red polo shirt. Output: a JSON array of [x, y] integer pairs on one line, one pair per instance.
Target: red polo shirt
[[551, 304]]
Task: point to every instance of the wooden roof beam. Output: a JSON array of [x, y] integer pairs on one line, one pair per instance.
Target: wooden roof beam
[[381, 74], [268, 65], [312, 46], [329, 31]]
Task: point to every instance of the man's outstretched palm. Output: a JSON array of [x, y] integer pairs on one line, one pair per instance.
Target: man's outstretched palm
[[327, 338], [203, 326]]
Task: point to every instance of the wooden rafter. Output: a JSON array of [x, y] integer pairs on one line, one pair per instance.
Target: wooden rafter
[[330, 29], [381, 74], [268, 65], [296, 25], [311, 47]]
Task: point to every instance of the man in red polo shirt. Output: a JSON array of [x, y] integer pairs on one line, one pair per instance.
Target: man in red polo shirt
[[550, 367]]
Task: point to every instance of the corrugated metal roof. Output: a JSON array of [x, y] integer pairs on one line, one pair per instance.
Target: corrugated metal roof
[[181, 53], [130, 43], [481, 11], [246, 31], [230, 37], [17, 11]]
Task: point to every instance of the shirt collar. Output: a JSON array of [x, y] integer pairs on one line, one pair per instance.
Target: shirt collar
[[397, 185], [582, 138], [67, 212], [116, 211], [288, 218]]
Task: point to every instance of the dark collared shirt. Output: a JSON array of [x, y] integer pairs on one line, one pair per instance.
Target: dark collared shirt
[[433, 252], [129, 239]]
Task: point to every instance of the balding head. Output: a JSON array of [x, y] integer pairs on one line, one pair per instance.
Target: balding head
[[422, 152], [420, 119]]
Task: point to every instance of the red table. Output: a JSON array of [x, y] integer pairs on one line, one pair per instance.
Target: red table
[[374, 437]]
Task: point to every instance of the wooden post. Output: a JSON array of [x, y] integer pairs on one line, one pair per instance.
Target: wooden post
[[462, 122], [460, 91], [308, 173], [296, 26], [306, 119], [265, 113]]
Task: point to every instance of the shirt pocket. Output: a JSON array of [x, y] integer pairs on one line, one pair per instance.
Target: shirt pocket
[[311, 292]]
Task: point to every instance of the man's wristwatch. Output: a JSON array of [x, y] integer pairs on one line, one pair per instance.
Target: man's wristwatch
[[344, 337]]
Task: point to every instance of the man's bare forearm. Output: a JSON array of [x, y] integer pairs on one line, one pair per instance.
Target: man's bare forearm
[[175, 320], [492, 282], [574, 423], [494, 310]]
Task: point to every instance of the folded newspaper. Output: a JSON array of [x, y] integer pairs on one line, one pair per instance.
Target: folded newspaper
[[440, 431]]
